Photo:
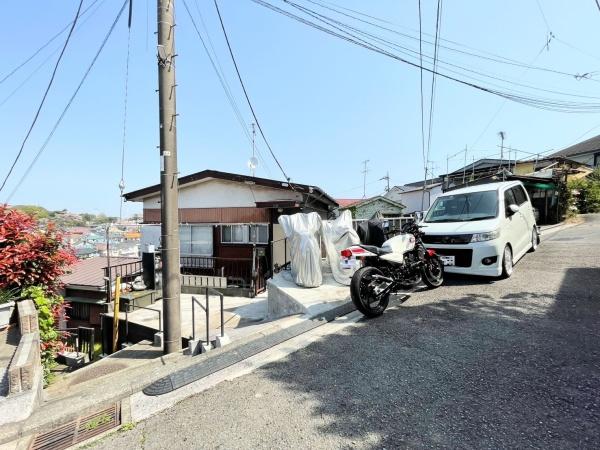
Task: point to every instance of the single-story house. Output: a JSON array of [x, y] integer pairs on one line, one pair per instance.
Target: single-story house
[[411, 195], [225, 217], [368, 208], [85, 288], [586, 152]]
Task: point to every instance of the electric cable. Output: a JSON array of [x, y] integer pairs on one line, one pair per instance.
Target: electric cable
[[39, 109], [540, 103], [421, 95], [438, 24], [247, 97], [69, 103], [52, 39]]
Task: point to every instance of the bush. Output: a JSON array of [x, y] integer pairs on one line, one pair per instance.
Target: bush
[[50, 309], [29, 255], [588, 198]]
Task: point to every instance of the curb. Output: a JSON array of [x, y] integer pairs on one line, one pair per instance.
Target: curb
[[175, 371]]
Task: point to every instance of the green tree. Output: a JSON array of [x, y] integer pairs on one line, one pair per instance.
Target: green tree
[[37, 212]]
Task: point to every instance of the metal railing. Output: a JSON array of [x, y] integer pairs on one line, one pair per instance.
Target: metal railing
[[279, 261], [126, 271], [79, 340], [238, 271], [128, 303], [206, 309]]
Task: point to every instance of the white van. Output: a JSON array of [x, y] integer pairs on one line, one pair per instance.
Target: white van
[[483, 229]]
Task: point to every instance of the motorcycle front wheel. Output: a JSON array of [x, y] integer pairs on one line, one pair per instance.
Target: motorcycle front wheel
[[433, 272], [361, 292]]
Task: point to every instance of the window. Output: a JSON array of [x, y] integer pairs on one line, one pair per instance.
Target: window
[[196, 240], [245, 234], [464, 207], [597, 159], [509, 199], [520, 195]]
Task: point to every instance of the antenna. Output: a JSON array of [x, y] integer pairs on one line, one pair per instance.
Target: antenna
[[253, 161], [364, 172], [387, 178]]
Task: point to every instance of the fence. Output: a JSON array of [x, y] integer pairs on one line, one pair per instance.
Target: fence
[[391, 223], [79, 340]]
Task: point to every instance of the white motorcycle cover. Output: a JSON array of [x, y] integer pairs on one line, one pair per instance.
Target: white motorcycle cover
[[302, 230], [337, 235]]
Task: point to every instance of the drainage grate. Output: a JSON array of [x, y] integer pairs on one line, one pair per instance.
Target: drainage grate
[[79, 430]]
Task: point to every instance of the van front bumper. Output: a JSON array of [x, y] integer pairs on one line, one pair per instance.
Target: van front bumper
[[469, 257]]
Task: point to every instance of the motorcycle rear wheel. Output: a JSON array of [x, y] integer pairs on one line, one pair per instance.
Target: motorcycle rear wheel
[[361, 293], [433, 272]]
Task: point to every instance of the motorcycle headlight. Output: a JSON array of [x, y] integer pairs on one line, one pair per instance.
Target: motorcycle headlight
[[490, 236]]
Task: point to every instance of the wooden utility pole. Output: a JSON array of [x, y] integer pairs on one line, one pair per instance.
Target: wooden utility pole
[[169, 185]]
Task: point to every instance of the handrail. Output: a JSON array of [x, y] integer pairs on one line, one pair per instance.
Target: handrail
[[127, 302], [207, 291]]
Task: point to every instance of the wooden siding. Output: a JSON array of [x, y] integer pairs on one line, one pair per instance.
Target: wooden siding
[[213, 215]]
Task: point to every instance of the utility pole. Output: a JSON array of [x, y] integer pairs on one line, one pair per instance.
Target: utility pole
[[465, 165], [502, 135], [364, 172], [169, 184]]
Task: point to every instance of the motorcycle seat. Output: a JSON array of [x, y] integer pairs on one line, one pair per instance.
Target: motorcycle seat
[[376, 250]]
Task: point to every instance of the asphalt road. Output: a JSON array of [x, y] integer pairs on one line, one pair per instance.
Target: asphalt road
[[473, 364]]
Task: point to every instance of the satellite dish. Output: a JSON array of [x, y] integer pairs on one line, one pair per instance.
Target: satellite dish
[[253, 163]]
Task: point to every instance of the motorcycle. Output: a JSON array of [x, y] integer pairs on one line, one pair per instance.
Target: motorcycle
[[402, 261]]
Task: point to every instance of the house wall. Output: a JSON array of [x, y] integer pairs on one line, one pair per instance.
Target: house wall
[[224, 194], [412, 199], [587, 158]]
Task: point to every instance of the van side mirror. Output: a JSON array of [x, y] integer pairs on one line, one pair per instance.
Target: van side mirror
[[512, 209]]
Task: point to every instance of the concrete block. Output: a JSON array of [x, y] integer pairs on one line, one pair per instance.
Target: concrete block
[[222, 341], [28, 319], [197, 346], [158, 339], [73, 359]]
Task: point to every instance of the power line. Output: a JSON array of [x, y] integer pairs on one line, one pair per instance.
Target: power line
[[493, 57], [68, 105], [80, 23], [218, 69], [421, 95], [246, 94], [39, 109], [536, 102], [52, 39]]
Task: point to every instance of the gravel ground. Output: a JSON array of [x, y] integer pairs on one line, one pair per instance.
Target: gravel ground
[[473, 364]]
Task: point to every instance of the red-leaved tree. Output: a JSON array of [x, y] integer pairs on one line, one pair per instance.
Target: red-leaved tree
[[30, 255]]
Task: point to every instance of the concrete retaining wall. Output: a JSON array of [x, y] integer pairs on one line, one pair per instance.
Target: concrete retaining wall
[[25, 374]]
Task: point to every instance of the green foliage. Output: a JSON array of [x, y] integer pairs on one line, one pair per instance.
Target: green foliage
[[37, 212], [8, 295], [96, 422], [127, 426], [49, 307], [587, 199]]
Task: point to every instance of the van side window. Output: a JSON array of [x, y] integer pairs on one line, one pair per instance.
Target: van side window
[[509, 199], [520, 195]]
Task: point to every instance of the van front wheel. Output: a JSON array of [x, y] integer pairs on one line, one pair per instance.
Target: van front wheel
[[507, 262]]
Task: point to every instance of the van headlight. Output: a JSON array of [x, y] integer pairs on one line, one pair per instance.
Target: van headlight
[[490, 236]]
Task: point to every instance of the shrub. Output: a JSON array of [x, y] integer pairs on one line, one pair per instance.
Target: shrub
[[29, 255], [588, 197], [50, 309]]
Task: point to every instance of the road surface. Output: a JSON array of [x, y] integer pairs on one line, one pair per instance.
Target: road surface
[[473, 364]]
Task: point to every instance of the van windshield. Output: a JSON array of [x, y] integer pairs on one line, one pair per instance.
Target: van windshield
[[464, 207]]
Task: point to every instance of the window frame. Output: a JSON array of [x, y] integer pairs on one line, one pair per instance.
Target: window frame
[[519, 188], [247, 234]]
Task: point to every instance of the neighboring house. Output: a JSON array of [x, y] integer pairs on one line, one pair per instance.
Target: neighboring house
[[225, 215], [543, 179], [368, 208], [586, 152], [85, 290], [414, 197]]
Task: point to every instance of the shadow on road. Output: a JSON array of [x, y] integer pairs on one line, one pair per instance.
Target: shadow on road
[[521, 369]]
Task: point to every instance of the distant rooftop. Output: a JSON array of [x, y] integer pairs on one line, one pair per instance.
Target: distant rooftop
[[590, 145], [90, 272]]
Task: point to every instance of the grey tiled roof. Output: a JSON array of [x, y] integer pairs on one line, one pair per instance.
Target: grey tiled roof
[[591, 145]]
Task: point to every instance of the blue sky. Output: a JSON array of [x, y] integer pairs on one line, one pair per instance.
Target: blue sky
[[325, 105]]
